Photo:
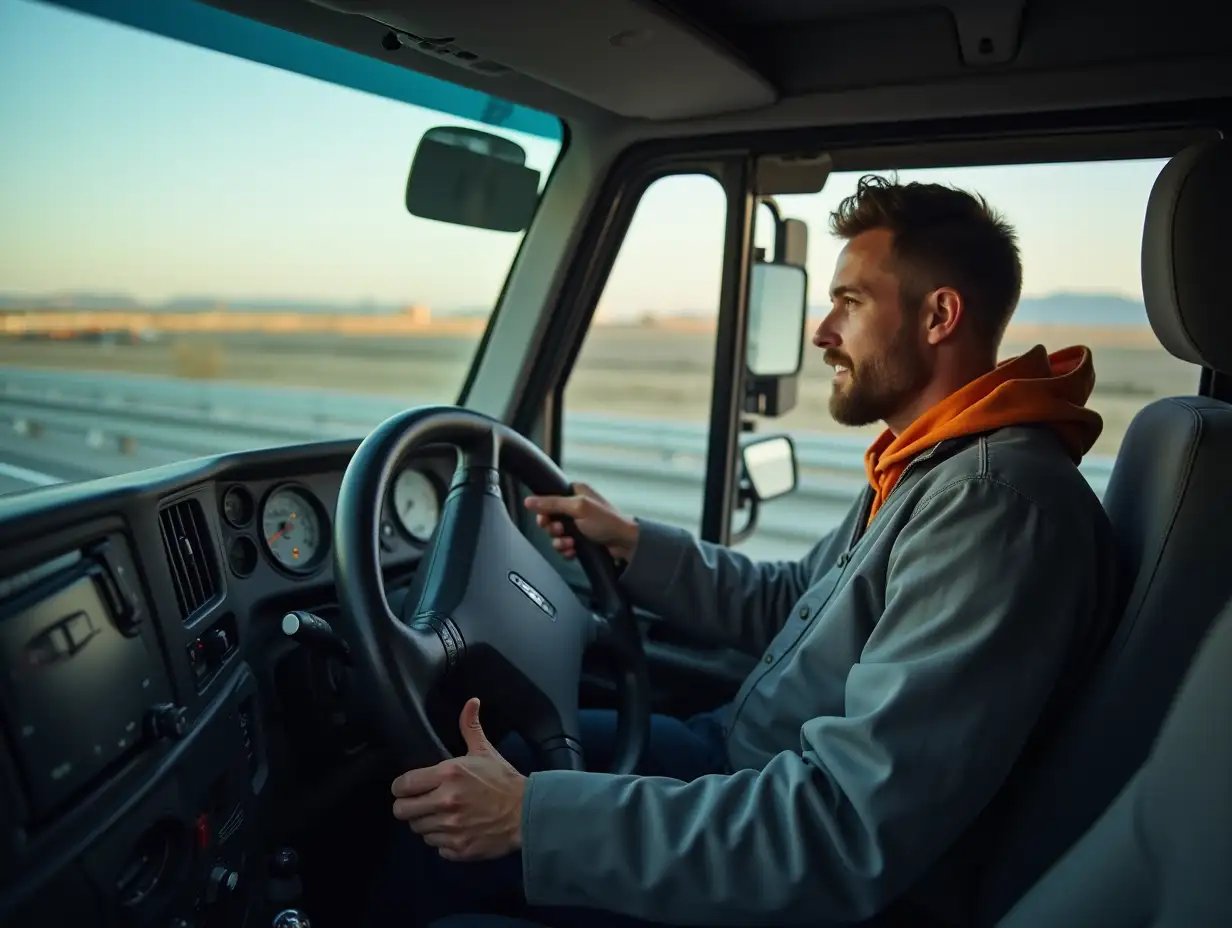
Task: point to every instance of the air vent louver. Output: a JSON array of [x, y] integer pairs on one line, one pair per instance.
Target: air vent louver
[[189, 556]]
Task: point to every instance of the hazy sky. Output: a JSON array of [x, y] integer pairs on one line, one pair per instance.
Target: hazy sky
[[138, 164]]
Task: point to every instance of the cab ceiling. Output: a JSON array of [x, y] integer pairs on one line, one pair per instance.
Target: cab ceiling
[[723, 65]]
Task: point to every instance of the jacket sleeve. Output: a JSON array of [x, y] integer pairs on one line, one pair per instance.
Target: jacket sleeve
[[984, 594], [714, 591]]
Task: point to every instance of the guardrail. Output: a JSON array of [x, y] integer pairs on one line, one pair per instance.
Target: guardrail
[[98, 424]]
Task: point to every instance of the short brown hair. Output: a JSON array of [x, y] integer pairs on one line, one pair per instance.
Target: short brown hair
[[943, 237]]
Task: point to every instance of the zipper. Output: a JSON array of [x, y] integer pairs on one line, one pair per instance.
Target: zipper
[[922, 456], [861, 525]]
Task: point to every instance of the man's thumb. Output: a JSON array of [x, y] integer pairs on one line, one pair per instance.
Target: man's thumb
[[472, 731]]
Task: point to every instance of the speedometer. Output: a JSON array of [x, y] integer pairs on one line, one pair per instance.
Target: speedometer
[[416, 504], [292, 525]]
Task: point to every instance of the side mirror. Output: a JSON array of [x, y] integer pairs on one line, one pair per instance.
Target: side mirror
[[770, 466], [472, 178], [778, 296]]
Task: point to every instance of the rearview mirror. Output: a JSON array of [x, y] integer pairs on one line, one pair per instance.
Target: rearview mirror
[[472, 178], [778, 294], [770, 466]]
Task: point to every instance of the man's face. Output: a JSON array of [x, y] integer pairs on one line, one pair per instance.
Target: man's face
[[871, 340]]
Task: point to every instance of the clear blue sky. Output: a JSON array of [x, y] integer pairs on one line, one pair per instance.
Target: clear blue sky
[[133, 163]]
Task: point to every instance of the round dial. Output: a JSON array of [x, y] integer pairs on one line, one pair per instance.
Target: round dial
[[237, 507], [416, 504], [292, 529]]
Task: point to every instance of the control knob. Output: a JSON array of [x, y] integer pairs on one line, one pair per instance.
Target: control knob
[[291, 918], [222, 882], [166, 720]]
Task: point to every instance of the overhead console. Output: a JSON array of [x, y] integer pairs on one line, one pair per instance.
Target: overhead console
[[636, 59]]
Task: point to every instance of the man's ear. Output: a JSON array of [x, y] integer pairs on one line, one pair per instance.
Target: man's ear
[[943, 310]]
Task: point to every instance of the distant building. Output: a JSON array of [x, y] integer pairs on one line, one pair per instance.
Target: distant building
[[419, 313]]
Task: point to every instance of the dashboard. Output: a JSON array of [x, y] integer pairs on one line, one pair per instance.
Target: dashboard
[[158, 727]]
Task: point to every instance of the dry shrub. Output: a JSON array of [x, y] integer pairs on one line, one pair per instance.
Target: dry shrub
[[198, 360]]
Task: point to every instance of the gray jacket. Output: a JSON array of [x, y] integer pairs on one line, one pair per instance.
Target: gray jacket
[[902, 669]]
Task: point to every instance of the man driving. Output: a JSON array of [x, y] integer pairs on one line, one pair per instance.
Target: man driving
[[903, 663]]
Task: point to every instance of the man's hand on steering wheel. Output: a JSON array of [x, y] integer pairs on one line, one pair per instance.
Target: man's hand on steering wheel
[[596, 518], [469, 807]]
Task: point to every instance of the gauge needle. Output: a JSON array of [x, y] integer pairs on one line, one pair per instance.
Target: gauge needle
[[286, 527]]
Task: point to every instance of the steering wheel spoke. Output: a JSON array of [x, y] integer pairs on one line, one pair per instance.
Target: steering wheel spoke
[[487, 614]]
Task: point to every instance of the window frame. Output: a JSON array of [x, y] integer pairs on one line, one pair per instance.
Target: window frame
[[565, 338]]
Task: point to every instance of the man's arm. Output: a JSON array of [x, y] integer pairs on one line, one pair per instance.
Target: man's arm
[[715, 591], [985, 593]]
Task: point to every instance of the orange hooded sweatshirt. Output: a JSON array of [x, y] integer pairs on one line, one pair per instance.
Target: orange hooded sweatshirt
[[1035, 387]]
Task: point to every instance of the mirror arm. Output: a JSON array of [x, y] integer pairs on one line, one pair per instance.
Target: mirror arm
[[773, 205], [745, 495]]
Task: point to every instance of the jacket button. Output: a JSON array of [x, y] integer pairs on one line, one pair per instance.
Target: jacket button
[[843, 559], [769, 658], [804, 612]]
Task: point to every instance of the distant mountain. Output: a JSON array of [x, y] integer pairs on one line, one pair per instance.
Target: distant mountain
[[1078, 309], [1086, 309], [191, 304], [1082, 309], [86, 301]]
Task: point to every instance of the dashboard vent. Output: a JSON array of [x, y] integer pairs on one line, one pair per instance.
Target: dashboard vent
[[186, 541]]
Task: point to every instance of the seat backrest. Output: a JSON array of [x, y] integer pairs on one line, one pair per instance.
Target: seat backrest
[[1171, 508], [1162, 852]]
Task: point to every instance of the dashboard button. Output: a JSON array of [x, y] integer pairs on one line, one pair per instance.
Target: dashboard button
[[217, 644]]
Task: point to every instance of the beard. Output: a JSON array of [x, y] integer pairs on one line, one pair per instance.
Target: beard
[[880, 385]]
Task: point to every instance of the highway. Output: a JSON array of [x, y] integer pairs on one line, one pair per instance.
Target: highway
[[61, 425]]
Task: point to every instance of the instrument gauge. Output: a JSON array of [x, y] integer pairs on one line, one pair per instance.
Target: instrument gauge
[[416, 504], [293, 527]]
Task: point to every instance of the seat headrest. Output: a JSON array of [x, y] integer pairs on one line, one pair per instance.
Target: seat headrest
[[1185, 256]]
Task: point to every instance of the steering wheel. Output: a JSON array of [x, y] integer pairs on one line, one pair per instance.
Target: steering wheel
[[486, 610]]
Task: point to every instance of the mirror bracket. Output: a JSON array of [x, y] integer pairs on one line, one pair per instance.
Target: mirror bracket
[[790, 237], [770, 397], [792, 173]]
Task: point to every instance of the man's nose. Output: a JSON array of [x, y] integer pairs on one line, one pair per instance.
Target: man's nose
[[824, 335]]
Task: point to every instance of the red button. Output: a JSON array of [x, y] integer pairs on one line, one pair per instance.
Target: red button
[[203, 831]]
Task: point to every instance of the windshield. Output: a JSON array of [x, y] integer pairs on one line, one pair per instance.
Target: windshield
[[191, 233]]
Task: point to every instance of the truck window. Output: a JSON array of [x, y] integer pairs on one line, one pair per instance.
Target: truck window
[[203, 254], [1080, 235], [637, 404]]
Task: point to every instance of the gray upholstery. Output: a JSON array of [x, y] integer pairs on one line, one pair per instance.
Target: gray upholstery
[[1162, 854], [1185, 256], [1170, 507]]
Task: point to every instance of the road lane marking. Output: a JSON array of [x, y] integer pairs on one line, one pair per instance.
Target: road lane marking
[[27, 475]]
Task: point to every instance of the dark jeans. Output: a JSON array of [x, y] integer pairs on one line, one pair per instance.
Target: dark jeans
[[417, 887]]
